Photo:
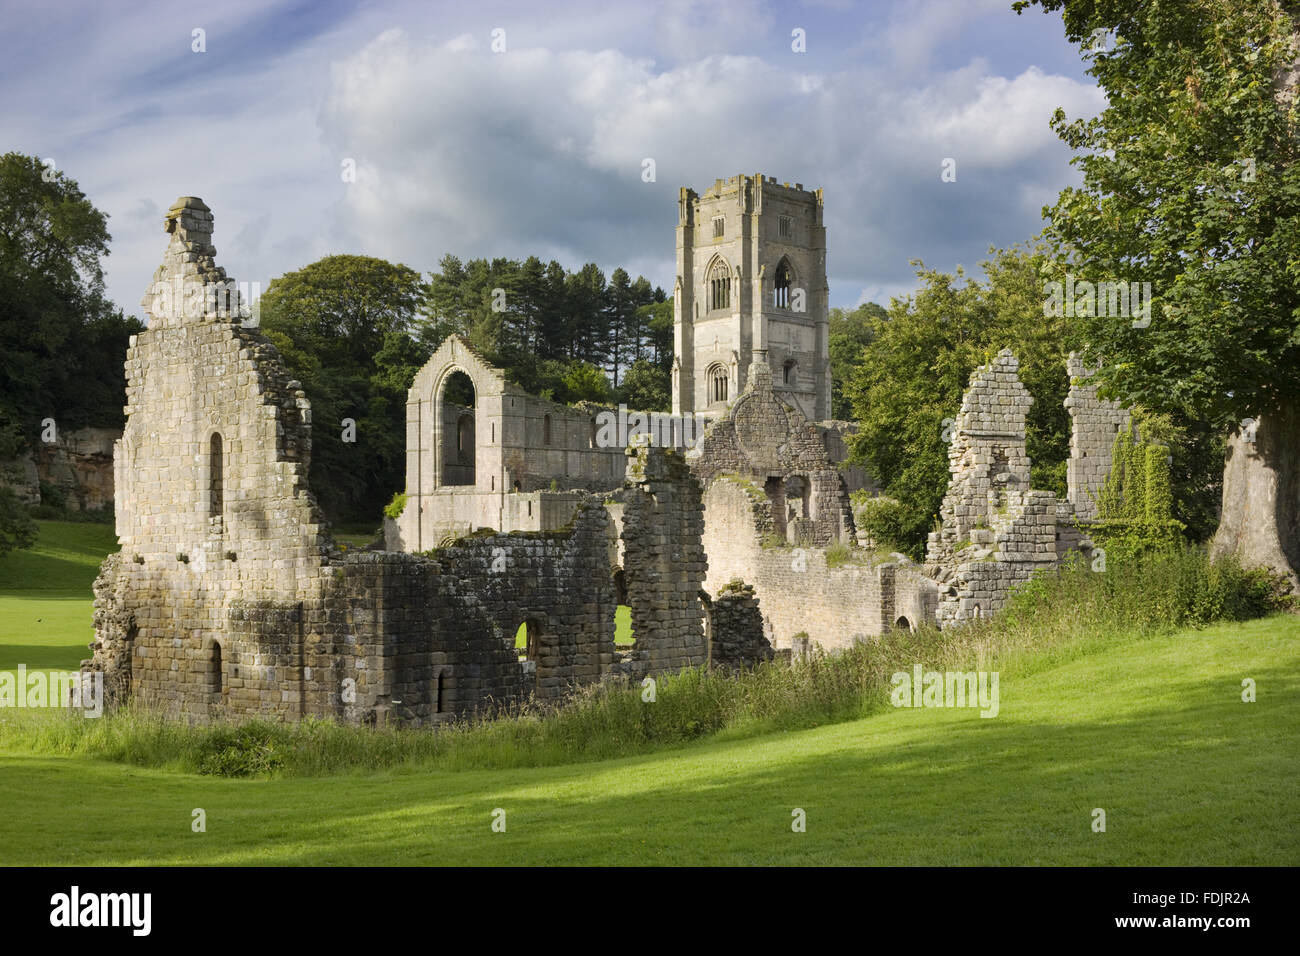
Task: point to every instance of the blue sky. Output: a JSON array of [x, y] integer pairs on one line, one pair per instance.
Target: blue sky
[[539, 149]]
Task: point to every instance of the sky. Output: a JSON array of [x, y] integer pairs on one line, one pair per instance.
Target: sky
[[395, 129]]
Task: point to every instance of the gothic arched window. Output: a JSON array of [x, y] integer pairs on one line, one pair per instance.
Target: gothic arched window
[[718, 381], [719, 285], [784, 279]]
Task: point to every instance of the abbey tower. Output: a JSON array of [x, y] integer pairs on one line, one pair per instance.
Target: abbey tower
[[751, 287]]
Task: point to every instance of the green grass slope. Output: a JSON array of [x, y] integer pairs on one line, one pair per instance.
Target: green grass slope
[[45, 597], [1153, 731]]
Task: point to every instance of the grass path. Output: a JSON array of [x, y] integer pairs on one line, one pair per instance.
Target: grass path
[[1154, 732]]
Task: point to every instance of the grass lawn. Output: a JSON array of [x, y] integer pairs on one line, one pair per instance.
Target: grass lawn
[[45, 598], [356, 534], [1153, 731]]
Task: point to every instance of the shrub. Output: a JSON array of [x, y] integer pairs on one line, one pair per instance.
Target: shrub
[[838, 554], [245, 750], [395, 507], [884, 520]]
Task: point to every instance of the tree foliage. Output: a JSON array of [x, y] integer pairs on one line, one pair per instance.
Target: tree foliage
[[346, 328], [1135, 506], [1190, 184], [62, 343], [849, 333], [907, 386], [544, 326]]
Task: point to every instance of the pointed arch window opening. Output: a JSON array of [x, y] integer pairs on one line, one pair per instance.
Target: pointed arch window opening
[[719, 381], [216, 484], [784, 281], [719, 286]]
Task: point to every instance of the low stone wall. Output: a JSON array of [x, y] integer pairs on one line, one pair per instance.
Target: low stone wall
[[736, 629]]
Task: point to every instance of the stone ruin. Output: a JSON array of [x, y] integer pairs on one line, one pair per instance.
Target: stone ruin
[[1094, 424], [995, 531], [229, 598]]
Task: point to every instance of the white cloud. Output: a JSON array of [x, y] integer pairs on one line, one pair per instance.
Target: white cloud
[[538, 150]]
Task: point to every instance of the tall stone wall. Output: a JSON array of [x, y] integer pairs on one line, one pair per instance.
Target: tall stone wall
[[1094, 422], [221, 542], [995, 531], [664, 561]]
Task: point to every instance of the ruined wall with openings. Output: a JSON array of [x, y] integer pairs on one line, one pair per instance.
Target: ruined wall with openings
[[228, 598], [770, 443], [505, 459], [798, 589], [995, 531], [664, 561]]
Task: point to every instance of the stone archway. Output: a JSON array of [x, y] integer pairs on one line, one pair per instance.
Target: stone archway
[[455, 428]]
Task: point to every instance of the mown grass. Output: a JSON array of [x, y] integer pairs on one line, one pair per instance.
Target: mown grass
[[1152, 729], [1056, 618], [65, 558], [45, 597]]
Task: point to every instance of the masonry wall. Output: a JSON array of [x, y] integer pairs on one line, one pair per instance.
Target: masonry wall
[[770, 443], [522, 445], [795, 589], [1094, 423], [664, 560], [736, 629], [995, 532]]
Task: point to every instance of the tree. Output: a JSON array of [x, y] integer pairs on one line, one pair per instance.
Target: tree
[[17, 529], [1190, 184], [620, 310], [907, 386], [584, 382], [62, 344], [345, 328], [657, 320], [647, 388], [849, 334]]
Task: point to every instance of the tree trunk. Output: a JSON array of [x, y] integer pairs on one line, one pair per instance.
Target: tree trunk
[[1260, 521]]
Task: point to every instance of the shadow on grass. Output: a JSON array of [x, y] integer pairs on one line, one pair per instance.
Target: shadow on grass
[[42, 656], [1209, 782]]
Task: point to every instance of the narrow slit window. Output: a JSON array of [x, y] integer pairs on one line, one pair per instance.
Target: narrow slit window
[[216, 469]]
